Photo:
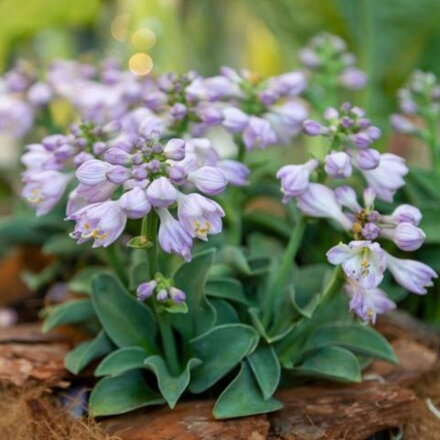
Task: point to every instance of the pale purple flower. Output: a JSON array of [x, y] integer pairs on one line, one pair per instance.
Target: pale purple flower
[[135, 203], [38, 158], [406, 236], [177, 295], [295, 178], [368, 303], [236, 173], [387, 178], [162, 295], [161, 193], [92, 172], [313, 128], [234, 120], [118, 174], [178, 111], [406, 214], [209, 115], [173, 238], [346, 196], [175, 149], [370, 231], [413, 275], [367, 158], [101, 222], [320, 201], [117, 156], [199, 216], [258, 133], [209, 180], [39, 94], [44, 189], [338, 165], [353, 78], [96, 193], [290, 84], [145, 290], [361, 139], [362, 261], [403, 124]]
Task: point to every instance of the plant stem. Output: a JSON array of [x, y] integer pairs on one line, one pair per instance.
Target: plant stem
[[334, 284], [149, 230], [168, 343], [115, 261], [235, 212], [285, 267]]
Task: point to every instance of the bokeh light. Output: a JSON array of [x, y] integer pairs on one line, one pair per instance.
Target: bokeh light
[[119, 27], [140, 64], [143, 39]]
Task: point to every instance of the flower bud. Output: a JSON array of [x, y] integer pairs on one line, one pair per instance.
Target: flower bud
[[116, 156], [338, 165], [209, 180], [367, 159], [234, 120], [118, 174], [145, 290], [361, 140], [177, 295], [346, 196], [175, 149], [92, 172], [161, 193], [135, 203], [370, 231], [407, 214], [313, 128], [408, 237]]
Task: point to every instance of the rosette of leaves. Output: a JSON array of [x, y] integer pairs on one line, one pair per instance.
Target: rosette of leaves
[[227, 346]]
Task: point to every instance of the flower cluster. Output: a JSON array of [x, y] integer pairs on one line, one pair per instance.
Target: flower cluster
[[420, 98], [164, 291], [326, 56], [363, 260]]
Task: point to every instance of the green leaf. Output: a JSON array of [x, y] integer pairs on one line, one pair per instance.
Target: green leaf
[[429, 223], [307, 309], [226, 288], [86, 352], [62, 245], [234, 257], [121, 360], [81, 282], [428, 181], [333, 363], [175, 308], [220, 349], [266, 368], [126, 321], [120, 394], [268, 222], [357, 338], [259, 326], [243, 398], [68, 313], [191, 278], [171, 387], [35, 281], [226, 314]]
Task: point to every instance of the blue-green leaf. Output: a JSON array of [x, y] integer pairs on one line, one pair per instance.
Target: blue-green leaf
[[333, 363], [81, 282], [170, 386], [121, 360], [121, 394], [126, 321], [243, 398], [86, 352], [266, 368], [68, 313], [357, 338], [226, 288], [220, 349]]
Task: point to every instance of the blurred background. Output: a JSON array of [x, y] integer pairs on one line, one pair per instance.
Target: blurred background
[[390, 39]]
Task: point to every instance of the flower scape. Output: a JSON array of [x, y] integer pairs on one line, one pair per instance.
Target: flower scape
[[188, 290]]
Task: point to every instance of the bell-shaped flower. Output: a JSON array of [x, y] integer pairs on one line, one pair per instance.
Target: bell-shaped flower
[[405, 236], [346, 196], [236, 173], [161, 193], [199, 215], [368, 303], [101, 222], [338, 165], [234, 120], [387, 178], [135, 203], [44, 189], [362, 261], [320, 201], [413, 275], [175, 149], [258, 134], [295, 179], [173, 238], [92, 172], [209, 180]]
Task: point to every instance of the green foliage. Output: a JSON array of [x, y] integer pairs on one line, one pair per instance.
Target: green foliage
[[68, 313], [121, 360]]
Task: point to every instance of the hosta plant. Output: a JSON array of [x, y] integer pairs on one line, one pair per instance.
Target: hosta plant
[[233, 267]]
